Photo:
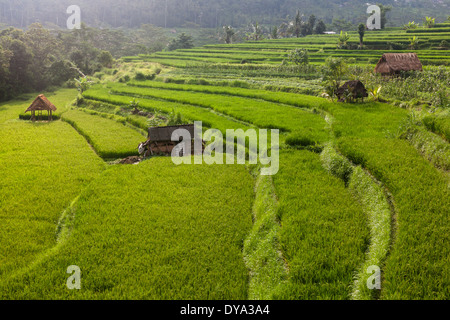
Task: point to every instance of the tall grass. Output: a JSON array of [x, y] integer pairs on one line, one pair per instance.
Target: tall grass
[[262, 114], [262, 251], [375, 204], [189, 112], [324, 234], [418, 262], [109, 138], [43, 167], [152, 231]]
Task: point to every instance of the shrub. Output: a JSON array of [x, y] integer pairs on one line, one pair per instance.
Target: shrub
[[336, 164], [299, 56], [140, 76], [300, 141]]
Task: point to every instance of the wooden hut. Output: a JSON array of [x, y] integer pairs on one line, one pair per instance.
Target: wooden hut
[[394, 63], [351, 90], [40, 104], [160, 142]]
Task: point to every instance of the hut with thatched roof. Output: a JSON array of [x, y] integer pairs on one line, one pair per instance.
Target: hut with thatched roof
[[160, 142], [394, 63], [351, 91], [41, 103]]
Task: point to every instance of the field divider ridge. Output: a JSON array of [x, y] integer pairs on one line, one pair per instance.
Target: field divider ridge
[[379, 207], [262, 251]]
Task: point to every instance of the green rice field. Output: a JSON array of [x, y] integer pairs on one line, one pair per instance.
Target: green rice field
[[359, 184]]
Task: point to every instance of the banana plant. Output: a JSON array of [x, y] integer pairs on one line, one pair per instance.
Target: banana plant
[[430, 22], [411, 25], [83, 84], [413, 42], [343, 39], [374, 92]]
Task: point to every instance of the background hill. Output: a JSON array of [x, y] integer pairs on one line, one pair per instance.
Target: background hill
[[208, 13]]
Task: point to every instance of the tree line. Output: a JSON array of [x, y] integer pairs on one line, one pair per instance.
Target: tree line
[[203, 13], [38, 58]]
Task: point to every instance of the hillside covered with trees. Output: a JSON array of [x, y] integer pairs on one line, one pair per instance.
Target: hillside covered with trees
[[207, 13]]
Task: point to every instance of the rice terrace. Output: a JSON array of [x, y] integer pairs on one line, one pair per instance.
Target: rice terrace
[[105, 195]]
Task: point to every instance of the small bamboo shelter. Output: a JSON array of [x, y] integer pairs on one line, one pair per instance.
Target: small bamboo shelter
[[41, 103], [352, 90], [394, 63]]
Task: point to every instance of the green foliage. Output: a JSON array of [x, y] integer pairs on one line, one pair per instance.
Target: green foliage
[[377, 207], [429, 22], [299, 56], [422, 200], [316, 211], [411, 25], [274, 32], [336, 164], [83, 84], [361, 32], [374, 92], [320, 27], [438, 125], [140, 76], [190, 113], [44, 167], [141, 232], [384, 10], [444, 44], [183, 41], [429, 86], [228, 34], [343, 40], [433, 147], [203, 14], [414, 42], [263, 114], [335, 69], [175, 119], [342, 25], [256, 32], [105, 58], [262, 250], [110, 139]]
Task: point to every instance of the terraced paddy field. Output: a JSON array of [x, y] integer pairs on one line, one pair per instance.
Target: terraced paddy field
[[319, 46], [134, 241], [360, 186]]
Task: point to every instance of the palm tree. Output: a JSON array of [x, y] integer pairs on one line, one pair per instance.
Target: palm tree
[[361, 31], [257, 33], [229, 34], [297, 24]]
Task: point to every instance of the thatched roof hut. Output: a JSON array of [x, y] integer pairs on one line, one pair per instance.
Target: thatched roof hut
[[392, 63], [160, 140], [352, 90], [41, 103], [159, 134]]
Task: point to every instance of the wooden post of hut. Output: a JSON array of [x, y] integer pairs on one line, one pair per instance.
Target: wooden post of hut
[[41, 103]]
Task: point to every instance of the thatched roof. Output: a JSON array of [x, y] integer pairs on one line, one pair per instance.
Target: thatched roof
[[165, 133], [41, 103], [355, 87], [396, 62]]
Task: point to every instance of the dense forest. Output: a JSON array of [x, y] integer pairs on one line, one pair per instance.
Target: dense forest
[[37, 51], [206, 13], [38, 58]]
